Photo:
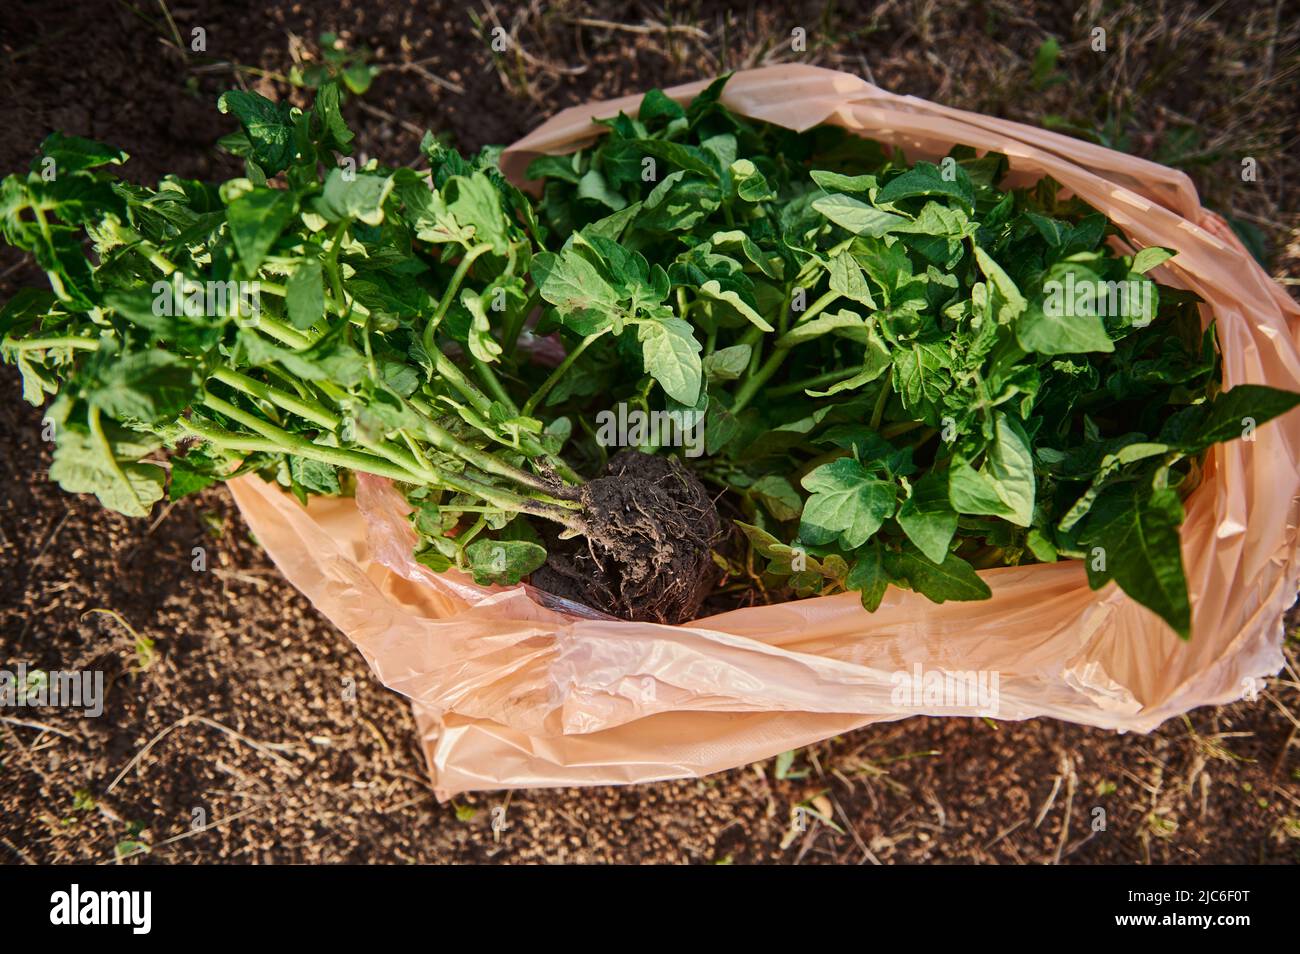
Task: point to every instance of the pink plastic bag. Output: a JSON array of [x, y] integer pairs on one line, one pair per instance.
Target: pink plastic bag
[[512, 688]]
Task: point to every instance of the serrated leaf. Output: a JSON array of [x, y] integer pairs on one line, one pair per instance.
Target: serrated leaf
[[921, 377], [574, 286], [847, 502], [126, 486], [269, 126], [868, 576], [671, 356], [191, 473], [953, 579], [1135, 528], [147, 386]]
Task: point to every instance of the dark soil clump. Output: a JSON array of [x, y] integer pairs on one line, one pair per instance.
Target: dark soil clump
[[646, 555]]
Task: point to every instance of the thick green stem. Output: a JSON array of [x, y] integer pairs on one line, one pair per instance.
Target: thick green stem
[[453, 286], [466, 538], [400, 465], [493, 383], [759, 374], [293, 444], [515, 326], [282, 333], [330, 261], [308, 410], [749, 388], [442, 364], [300, 448], [878, 412], [481, 404], [558, 373], [753, 337], [448, 443], [453, 375], [41, 344], [817, 308], [816, 381]]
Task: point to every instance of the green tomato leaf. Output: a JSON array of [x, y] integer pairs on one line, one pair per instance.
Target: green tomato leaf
[[856, 216], [256, 220], [1148, 258], [305, 294], [80, 466], [671, 356], [504, 562], [353, 196], [847, 502], [868, 575], [927, 517], [74, 154], [727, 364], [776, 494], [573, 285], [1231, 415], [925, 178], [147, 386], [481, 343], [838, 182], [335, 133], [1132, 537], [1043, 333], [269, 126], [1010, 303], [1004, 486], [921, 376], [953, 579]]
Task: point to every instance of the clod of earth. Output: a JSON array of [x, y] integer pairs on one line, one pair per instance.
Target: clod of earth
[[646, 554]]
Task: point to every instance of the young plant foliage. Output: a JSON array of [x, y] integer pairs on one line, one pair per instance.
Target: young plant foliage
[[900, 373]]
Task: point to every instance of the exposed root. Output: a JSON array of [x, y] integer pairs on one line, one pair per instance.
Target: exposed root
[[646, 554]]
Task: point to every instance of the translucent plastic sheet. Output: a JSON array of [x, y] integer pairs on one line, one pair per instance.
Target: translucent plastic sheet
[[513, 689]]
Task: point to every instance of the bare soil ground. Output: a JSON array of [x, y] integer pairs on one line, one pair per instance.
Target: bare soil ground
[[226, 702]]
